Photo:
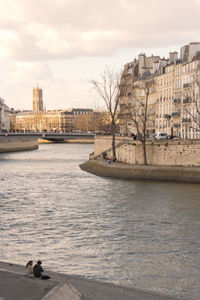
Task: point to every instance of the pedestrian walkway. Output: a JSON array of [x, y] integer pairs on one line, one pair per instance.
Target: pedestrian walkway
[[14, 285]]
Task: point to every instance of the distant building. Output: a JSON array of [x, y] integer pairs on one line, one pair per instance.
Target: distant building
[[4, 116], [37, 100], [63, 120], [66, 120]]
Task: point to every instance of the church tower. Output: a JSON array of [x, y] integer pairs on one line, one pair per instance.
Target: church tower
[[37, 100]]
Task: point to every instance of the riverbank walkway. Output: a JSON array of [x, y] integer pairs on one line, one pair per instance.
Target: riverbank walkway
[[14, 285]]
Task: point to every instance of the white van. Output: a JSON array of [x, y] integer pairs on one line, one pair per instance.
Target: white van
[[159, 136]]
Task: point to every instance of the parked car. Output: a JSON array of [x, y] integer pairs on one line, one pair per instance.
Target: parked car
[[159, 136], [174, 137]]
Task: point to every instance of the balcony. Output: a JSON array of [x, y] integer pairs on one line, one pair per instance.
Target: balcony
[[184, 120], [176, 125], [187, 85], [166, 116], [187, 100], [177, 101], [176, 114]]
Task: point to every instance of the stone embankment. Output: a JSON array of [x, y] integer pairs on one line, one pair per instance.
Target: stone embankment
[[161, 153], [174, 160], [101, 167], [17, 143]]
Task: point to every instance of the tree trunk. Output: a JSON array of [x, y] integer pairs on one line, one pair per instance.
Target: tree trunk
[[113, 140], [144, 151]]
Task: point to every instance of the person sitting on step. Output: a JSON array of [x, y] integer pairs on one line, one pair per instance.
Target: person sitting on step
[[38, 270]]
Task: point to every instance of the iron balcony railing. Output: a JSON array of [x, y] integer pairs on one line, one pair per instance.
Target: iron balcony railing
[[184, 120], [186, 85], [177, 101], [187, 100], [167, 116], [176, 114]]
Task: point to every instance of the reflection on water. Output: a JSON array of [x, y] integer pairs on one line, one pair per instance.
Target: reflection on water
[[136, 233]]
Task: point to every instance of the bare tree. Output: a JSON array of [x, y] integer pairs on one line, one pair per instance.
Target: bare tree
[[137, 111], [108, 90]]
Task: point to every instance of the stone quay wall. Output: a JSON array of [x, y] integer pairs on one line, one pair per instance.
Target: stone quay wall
[[17, 143], [120, 170], [165, 152]]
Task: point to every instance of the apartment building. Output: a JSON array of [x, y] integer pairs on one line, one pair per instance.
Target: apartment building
[[4, 116], [174, 99], [166, 108], [190, 108], [138, 89]]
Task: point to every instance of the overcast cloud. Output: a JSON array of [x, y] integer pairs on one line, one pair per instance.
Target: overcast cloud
[[50, 42]]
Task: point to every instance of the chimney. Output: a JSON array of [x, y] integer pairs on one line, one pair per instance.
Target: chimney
[[173, 56]]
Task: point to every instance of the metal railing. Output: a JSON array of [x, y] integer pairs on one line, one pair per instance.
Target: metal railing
[[177, 101], [176, 114]]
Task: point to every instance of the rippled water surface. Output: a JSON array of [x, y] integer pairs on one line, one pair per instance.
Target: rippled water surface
[[136, 233]]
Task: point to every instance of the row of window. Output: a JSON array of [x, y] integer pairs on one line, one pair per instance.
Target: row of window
[[165, 94], [165, 81], [185, 68], [168, 79]]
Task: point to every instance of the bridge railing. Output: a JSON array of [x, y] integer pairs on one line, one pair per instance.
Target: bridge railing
[[53, 134]]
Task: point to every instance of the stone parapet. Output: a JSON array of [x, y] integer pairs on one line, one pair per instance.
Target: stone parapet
[[164, 152], [102, 143]]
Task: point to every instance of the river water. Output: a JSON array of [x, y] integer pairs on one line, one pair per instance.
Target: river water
[[142, 234]]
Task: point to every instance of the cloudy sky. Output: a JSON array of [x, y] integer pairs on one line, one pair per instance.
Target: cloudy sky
[[62, 44]]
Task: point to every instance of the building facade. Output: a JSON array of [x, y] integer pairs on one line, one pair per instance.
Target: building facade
[[4, 116], [40, 120], [71, 120], [174, 99], [53, 121]]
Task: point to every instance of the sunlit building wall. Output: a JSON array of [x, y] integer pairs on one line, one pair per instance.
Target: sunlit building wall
[[4, 116], [177, 92], [57, 121]]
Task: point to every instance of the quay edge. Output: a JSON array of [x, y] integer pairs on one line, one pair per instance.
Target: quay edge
[[68, 287], [100, 167]]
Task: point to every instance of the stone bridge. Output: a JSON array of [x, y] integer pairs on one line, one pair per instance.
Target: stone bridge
[[54, 137]]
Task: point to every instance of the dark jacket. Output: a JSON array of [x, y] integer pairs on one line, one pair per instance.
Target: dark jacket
[[37, 270]]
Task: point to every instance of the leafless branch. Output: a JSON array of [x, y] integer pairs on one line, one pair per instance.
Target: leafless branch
[[108, 90]]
